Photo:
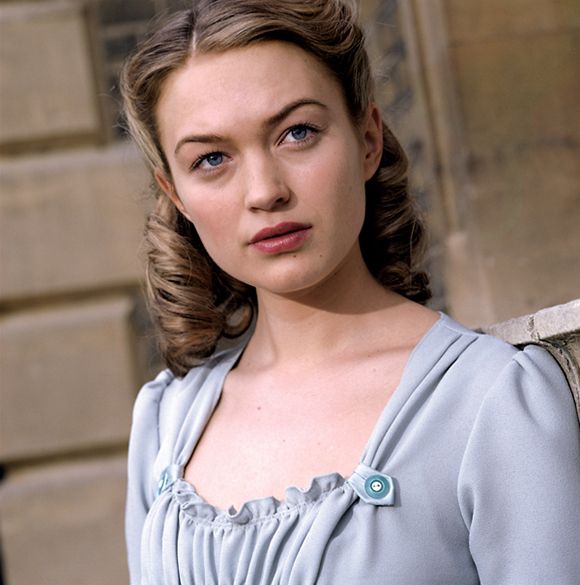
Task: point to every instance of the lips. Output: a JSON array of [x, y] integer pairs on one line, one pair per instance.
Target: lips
[[280, 239], [276, 231]]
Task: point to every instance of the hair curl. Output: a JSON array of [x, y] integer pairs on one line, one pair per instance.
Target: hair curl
[[193, 302]]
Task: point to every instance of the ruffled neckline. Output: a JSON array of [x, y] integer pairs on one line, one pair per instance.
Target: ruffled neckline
[[259, 509]]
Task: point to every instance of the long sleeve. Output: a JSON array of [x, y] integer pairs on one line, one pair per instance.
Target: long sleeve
[[143, 449], [519, 485]]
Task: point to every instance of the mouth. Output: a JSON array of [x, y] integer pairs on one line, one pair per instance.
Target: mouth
[[282, 229], [281, 238]]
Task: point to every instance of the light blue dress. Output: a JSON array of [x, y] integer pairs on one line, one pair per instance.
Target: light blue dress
[[471, 476]]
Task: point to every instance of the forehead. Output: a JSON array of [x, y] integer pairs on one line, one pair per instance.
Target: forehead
[[219, 89]]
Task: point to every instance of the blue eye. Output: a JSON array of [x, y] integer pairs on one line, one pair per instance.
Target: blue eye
[[214, 159], [299, 132], [211, 160]]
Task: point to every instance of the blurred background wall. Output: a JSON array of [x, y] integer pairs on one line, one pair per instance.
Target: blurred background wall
[[483, 93]]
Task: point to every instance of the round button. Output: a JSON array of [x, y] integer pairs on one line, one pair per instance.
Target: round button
[[377, 486]]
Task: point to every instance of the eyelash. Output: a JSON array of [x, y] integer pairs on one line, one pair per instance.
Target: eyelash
[[313, 132], [198, 161]]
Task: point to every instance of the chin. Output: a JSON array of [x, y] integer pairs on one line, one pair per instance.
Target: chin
[[294, 283]]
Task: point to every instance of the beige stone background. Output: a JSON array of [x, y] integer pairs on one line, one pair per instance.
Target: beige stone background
[[484, 95]]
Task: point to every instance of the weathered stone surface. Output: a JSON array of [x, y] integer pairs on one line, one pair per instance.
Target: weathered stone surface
[[520, 129], [527, 214], [63, 524], [70, 221], [46, 73], [502, 88], [68, 379], [473, 20], [518, 92], [468, 296], [554, 322]]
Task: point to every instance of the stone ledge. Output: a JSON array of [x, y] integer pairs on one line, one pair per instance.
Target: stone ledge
[[553, 322]]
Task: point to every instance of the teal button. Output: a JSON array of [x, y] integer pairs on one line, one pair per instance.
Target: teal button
[[377, 486]]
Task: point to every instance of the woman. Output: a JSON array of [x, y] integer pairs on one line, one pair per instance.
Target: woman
[[283, 275]]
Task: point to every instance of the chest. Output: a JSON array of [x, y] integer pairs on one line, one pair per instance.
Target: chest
[[263, 438]]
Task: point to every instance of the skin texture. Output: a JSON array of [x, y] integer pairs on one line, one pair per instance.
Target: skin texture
[[255, 137]]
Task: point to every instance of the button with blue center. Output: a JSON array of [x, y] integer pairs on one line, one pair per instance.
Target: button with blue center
[[377, 486], [373, 486]]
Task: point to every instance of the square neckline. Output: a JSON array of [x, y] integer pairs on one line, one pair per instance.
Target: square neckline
[[264, 507]]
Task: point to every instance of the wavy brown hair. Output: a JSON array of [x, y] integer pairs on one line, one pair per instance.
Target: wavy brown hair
[[193, 302]]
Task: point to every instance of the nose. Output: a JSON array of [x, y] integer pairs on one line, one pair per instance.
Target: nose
[[265, 189]]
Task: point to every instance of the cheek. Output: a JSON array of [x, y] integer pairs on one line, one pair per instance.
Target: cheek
[[218, 230], [213, 235], [342, 183], [211, 225], [208, 213]]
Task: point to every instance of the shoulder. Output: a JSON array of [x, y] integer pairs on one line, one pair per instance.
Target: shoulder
[[520, 464], [151, 394], [492, 372], [489, 356], [463, 358], [519, 396], [532, 388], [167, 397], [478, 346]]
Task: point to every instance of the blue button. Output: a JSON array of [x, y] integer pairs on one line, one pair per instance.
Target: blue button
[[373, 486], [378, 486]]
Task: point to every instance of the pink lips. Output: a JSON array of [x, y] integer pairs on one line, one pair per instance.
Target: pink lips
[[284, 237]]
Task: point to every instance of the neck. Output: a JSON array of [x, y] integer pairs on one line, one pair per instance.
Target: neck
[[309, 326]]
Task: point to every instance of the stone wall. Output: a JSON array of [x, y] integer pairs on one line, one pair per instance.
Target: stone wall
[[71, 219], [503, 88], [481, 95]]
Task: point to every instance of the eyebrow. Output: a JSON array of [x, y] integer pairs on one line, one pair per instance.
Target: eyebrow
[[270, 122]]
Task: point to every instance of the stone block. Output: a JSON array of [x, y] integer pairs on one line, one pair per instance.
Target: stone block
[[518, 103], [70, 221], [561, 321], [63, 524], [518, 92], [470, 21], [526, 216], [68, 380], [46, 73]]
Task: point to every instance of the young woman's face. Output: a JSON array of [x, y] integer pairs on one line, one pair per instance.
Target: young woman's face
[[267, 164]]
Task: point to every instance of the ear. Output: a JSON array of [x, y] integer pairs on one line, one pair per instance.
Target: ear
[[372, 140], [166, 185]]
